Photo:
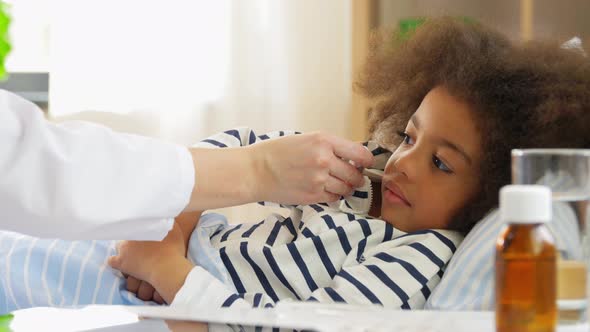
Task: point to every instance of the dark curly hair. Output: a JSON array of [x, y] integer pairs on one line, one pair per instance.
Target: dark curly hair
[[524, 95]]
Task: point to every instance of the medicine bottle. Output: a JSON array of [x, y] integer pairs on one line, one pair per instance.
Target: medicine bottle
[[525, 261]]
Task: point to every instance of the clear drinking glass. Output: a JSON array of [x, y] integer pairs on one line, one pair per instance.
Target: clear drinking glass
[[567, 173]]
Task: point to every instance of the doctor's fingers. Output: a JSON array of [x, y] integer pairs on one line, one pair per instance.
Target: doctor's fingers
[[336, 188], [345, 172], [356, 152]]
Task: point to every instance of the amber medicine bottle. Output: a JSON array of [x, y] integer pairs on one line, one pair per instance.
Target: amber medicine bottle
[[525, 261]]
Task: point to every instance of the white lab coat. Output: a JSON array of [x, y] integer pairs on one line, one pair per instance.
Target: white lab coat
[[83, 181]]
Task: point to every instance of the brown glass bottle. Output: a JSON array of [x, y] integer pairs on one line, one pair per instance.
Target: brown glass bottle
[[526, 279], [526, 271]]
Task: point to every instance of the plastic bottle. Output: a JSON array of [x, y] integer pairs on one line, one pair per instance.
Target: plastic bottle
[[525, 262]]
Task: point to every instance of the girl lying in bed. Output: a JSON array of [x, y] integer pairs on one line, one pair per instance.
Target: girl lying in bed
[[453, 101]]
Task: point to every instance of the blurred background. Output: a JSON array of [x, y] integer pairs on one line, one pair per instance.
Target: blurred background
[[183, 69]]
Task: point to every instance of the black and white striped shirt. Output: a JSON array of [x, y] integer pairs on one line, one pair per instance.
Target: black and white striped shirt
[[321, 252]]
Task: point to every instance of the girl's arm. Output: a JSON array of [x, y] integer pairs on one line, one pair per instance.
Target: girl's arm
[[177, 267], [399, 275], [187, 221], [163, 264]]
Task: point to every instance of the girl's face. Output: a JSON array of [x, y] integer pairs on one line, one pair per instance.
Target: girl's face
[[435, 170]]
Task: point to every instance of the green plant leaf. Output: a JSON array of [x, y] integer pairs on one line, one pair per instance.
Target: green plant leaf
[[5, 46]]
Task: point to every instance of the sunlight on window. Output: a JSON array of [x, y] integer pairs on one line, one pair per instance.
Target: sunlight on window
[[137, 55]]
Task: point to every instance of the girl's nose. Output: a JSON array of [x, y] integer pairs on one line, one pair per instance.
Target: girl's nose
[[404, 163]]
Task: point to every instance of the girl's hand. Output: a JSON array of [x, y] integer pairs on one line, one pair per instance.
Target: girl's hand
[[140, 258], [143, 290], [162, 264]]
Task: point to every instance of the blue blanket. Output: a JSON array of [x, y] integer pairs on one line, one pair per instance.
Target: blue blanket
[[56, 273], [43, 272]]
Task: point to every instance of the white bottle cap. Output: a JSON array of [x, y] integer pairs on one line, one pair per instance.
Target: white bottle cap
[[525, 204]]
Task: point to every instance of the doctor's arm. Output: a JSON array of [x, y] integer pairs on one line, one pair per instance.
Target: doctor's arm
[[83, 181], [397, 275]]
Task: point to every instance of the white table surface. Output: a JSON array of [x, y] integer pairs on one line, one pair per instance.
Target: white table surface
[[323, 318]]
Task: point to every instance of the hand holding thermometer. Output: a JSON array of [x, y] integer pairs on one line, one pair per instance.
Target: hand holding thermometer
[[375, 173]]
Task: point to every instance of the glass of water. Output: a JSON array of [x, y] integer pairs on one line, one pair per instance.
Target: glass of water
[[567, 173]]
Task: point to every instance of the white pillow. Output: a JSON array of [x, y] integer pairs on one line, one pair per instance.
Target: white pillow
[[468, 282]]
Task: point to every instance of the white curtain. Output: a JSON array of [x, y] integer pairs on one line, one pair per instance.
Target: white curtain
[[193, 67]]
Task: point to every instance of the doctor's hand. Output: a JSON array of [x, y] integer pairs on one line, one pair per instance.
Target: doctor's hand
[[309, 168], [296, 169]]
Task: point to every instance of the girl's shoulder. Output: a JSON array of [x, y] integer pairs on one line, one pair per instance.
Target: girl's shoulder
[[431, 239]]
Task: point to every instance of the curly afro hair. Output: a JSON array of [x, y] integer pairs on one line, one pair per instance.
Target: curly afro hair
[[524, 95]]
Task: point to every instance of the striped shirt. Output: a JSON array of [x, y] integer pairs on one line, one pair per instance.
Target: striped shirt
[[324, 252], [321, 252]]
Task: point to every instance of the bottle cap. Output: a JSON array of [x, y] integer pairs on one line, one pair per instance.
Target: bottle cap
[[525, 204]]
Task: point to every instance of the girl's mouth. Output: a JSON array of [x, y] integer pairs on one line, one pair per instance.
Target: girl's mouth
[[394, 195]]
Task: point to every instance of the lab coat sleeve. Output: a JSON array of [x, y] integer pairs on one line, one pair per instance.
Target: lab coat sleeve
[[83, 181]]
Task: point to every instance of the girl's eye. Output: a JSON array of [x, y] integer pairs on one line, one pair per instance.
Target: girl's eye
[[406, 138], [440, 165], [435, 160]]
